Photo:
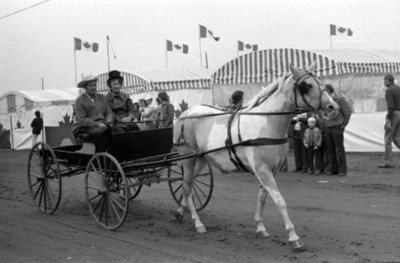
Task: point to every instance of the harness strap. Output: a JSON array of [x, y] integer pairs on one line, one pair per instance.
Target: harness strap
[[229, 146]]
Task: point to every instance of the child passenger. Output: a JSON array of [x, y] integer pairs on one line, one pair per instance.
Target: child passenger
[[313, 141]]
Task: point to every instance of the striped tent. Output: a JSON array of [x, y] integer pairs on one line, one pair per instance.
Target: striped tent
[[265, 66], [150, 81], [353, 61]]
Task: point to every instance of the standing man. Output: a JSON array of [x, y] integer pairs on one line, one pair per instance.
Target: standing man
[[392, 125], [93, 114], [166, 110], [336, 122], [37, 127]]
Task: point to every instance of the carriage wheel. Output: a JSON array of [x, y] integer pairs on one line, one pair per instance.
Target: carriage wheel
[[104, 180], [203, 185], [134, 190], [44, 178]]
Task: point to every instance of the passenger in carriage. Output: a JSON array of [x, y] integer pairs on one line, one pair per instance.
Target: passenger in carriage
[[166, 111], [93, 114], [121, 104], [236, 100]]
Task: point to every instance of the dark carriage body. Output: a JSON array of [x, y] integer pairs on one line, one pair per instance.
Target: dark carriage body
[[123, 146]]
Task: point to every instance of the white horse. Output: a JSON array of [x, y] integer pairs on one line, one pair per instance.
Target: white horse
[[263, 124]]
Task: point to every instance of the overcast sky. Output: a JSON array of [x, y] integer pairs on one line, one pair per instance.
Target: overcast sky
[[38, 43]]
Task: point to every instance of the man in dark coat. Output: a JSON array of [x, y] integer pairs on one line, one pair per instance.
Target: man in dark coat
[[392, 126], [37, 127], [335, 123]]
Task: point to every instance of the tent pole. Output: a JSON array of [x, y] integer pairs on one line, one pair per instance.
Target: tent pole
[[11, 133]]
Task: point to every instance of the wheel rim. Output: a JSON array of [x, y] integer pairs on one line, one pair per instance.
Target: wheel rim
[[202, 188], [44, 178], [104, 181], [134, 190]]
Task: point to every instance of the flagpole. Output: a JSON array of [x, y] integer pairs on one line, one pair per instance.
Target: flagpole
[[331, 40], [108, 54], [76, 78], [166, 58], [201, 59]]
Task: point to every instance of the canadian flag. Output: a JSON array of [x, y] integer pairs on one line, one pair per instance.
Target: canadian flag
[[339, 30], [85, 45], [207, 33]]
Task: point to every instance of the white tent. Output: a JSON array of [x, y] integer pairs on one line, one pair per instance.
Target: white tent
[[17, 111]]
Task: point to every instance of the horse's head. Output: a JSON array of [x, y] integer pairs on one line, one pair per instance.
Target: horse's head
[[309, 92]]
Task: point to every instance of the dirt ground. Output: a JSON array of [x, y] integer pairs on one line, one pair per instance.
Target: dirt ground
[[351, 219]]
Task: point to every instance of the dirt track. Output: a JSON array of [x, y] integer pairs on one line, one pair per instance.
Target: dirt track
[[352, 219]]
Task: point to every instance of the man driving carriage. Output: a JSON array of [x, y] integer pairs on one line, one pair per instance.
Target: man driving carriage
[[94, 117], [121, 104]]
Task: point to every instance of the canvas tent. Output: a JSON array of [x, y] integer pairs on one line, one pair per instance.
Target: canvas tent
[[17, 112], [184, 88], [357, 74]]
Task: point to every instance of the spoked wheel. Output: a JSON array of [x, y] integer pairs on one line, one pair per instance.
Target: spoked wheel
[[134, 190], [44, 178], [104, 181], [203, 185]]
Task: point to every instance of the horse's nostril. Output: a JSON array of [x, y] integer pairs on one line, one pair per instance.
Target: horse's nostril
[[330, 107]]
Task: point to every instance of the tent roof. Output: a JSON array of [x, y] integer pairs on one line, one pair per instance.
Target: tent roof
[[361, 56], [47, 95], [143, 81], [265, 66]]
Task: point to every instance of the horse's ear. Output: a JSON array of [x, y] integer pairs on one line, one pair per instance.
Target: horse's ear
[[296, 72], [312, 67]]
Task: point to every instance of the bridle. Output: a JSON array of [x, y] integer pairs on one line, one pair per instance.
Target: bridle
[[322, 89]]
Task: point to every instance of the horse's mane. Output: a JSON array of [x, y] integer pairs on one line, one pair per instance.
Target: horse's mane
[[265, 93]]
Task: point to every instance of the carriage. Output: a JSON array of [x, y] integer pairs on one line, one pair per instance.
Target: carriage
[[113, 178]]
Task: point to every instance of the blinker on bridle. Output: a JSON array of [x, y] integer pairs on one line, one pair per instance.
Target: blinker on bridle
[[296, 87]]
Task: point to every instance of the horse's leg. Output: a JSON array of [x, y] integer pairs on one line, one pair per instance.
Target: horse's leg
[[258, 217], [192, 168], [266, 177], [188, 190], [188, 167]]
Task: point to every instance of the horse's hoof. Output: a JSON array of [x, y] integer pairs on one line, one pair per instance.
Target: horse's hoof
[[178, 216], [297, 246], [201, 229], [262, 234]]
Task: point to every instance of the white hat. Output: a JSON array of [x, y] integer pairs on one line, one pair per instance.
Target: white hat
[[86, 80]]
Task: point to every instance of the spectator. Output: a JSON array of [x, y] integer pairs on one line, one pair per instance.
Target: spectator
[[336, 122], [167, 111], [37, 127], [157, 113], [392, 125], [147, 113], [93, 114], [121, 104], [312, 143], [300, 154], [236, 100]]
